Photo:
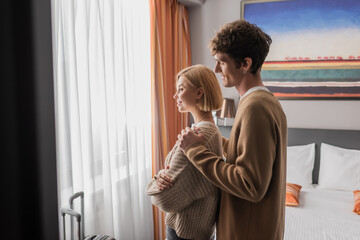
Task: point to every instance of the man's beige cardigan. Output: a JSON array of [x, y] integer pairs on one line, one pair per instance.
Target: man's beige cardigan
[[191, 203], [253, 178]]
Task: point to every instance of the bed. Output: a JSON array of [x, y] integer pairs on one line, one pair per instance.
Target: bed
[[320, 160]]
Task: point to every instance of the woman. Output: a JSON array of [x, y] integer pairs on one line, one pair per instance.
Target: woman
[[192, 201]]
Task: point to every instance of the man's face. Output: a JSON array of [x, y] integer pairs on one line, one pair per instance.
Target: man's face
[[230, 74]]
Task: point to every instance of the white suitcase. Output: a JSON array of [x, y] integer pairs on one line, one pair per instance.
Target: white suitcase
[[79, 219]]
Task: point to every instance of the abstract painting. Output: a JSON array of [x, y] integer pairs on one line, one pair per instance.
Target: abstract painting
[[315, 53]]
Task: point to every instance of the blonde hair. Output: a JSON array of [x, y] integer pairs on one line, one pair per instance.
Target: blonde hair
[[201, 76]]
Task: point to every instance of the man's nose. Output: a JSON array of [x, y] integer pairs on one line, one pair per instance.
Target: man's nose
[[217, 68]]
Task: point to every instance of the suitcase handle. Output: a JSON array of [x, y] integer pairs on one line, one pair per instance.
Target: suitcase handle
[[71, 203], [74, 196], [72, 213], [76, 215]]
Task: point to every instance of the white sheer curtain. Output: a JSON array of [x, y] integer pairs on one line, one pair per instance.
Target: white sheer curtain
[[102, 86]]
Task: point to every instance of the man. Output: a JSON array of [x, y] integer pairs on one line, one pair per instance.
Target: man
[[253, 177]]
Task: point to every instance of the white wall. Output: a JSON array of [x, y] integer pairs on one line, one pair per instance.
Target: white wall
[[206, 19]]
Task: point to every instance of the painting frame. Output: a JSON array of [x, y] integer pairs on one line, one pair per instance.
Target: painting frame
[[344, 73]]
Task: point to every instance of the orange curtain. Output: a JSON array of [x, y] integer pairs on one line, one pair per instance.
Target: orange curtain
[[170, 52]]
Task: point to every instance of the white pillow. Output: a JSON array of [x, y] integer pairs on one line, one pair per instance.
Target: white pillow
[[339, 168], [300, 164]]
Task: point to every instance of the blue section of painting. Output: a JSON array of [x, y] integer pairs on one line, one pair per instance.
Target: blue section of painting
[[304, 15]]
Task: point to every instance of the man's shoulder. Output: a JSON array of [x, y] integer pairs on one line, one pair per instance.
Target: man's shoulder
[[261, 104], [259, 96], [260, 99]]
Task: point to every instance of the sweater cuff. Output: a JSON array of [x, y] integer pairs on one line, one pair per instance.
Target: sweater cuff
[[151, 188], [193, 149]]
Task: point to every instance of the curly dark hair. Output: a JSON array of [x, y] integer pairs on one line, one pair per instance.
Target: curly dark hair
[[239, 40]]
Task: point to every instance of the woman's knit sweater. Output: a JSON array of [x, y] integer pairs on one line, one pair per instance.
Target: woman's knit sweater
[[191, 203]]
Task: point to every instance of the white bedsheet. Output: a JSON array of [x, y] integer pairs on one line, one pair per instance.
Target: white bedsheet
[[322, 215]]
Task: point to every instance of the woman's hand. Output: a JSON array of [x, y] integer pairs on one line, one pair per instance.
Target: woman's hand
[[162, 180]]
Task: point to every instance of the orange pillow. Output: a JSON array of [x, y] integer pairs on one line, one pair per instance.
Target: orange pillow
[[292, 194], [357, 202]]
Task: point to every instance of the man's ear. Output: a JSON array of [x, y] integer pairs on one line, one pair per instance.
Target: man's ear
[[200, 93], [247, 64]]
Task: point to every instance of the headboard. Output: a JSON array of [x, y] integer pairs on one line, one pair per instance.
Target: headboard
[[342, 138]]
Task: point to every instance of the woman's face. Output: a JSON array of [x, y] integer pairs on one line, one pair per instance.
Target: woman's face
[[186, 95]]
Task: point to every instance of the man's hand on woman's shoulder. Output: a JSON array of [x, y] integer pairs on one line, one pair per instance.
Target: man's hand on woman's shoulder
[[189, 136]]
